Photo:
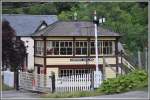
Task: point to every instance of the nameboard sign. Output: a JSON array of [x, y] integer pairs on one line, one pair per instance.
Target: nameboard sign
[[81, 59]]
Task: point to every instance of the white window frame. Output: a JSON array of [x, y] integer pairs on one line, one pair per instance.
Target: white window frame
[[39, 47], [102, 46], [81, 48], [60, 48]]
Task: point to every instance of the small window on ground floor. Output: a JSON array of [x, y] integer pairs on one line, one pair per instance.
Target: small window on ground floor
[[69, 72]]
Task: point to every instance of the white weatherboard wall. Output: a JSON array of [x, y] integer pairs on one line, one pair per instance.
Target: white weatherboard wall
[[30, 50]]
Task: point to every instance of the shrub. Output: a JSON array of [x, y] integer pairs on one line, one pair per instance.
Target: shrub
[[133, 80]]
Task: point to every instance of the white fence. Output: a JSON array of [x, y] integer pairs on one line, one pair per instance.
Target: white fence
[[8, 78], [44, 83], [73, 83]]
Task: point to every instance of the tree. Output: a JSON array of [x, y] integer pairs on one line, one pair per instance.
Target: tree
[[8, 34], [130, 19], [13, 50]]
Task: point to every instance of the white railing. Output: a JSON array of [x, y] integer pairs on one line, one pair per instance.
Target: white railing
[[43, 83], [73, 83], [125, 62]]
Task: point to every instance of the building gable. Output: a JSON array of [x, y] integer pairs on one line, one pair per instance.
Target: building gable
[[25, 25]]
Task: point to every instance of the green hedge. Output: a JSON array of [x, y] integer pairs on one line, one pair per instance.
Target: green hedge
[[134, 80]]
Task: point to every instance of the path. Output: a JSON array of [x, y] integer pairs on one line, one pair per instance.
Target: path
[[19, 94], [142, 95]]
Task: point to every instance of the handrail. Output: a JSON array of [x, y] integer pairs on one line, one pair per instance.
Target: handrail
[[125, 62]]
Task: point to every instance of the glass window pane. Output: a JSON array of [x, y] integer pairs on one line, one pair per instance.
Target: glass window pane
[[99, 43], [106, 43], [84, 51], [110, 50], [69, 51], [56, 51], [92, 50], [85, 44], [104, 50], [81, 44], [110, 43], [63, 51], [78, 51], [79, 71], [57, 44], [77, 44], [53, 43], [61, 44], [66, 44], [99, 51], [92, 44], [70, 44]]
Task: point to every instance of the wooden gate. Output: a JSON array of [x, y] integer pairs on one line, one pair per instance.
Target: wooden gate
[[34, 82]]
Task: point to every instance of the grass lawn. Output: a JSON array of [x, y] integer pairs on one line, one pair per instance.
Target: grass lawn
[[71, 94], [81, 93], [5, 87]]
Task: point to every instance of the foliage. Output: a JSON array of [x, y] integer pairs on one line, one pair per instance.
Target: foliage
[[8, 34], [41, 9], [130, 19], [71, 94], [134, 80], [13, 48]]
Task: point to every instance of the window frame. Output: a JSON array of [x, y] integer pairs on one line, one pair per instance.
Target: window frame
[[101, 47], [59, 47], [83, 42], [39, 47]]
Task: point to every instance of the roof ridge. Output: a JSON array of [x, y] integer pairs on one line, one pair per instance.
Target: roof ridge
[[50, 27], [68, 28]]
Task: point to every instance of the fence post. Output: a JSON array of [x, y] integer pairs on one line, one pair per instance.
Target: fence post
[[139, 59], [122, 63], [16, 78], [53, 82], [146, 60], [92, 80]]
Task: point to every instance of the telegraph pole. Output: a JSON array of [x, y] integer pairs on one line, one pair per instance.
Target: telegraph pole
[[97, 22], [96, 48]]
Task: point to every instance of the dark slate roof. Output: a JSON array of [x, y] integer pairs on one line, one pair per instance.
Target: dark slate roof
[[25, 25], [74, 28]]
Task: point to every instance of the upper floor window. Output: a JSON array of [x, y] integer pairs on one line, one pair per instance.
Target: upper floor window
[[39, 47], [59, 48], [81, 48], [66, 47], [104, 47], [107, 47]]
